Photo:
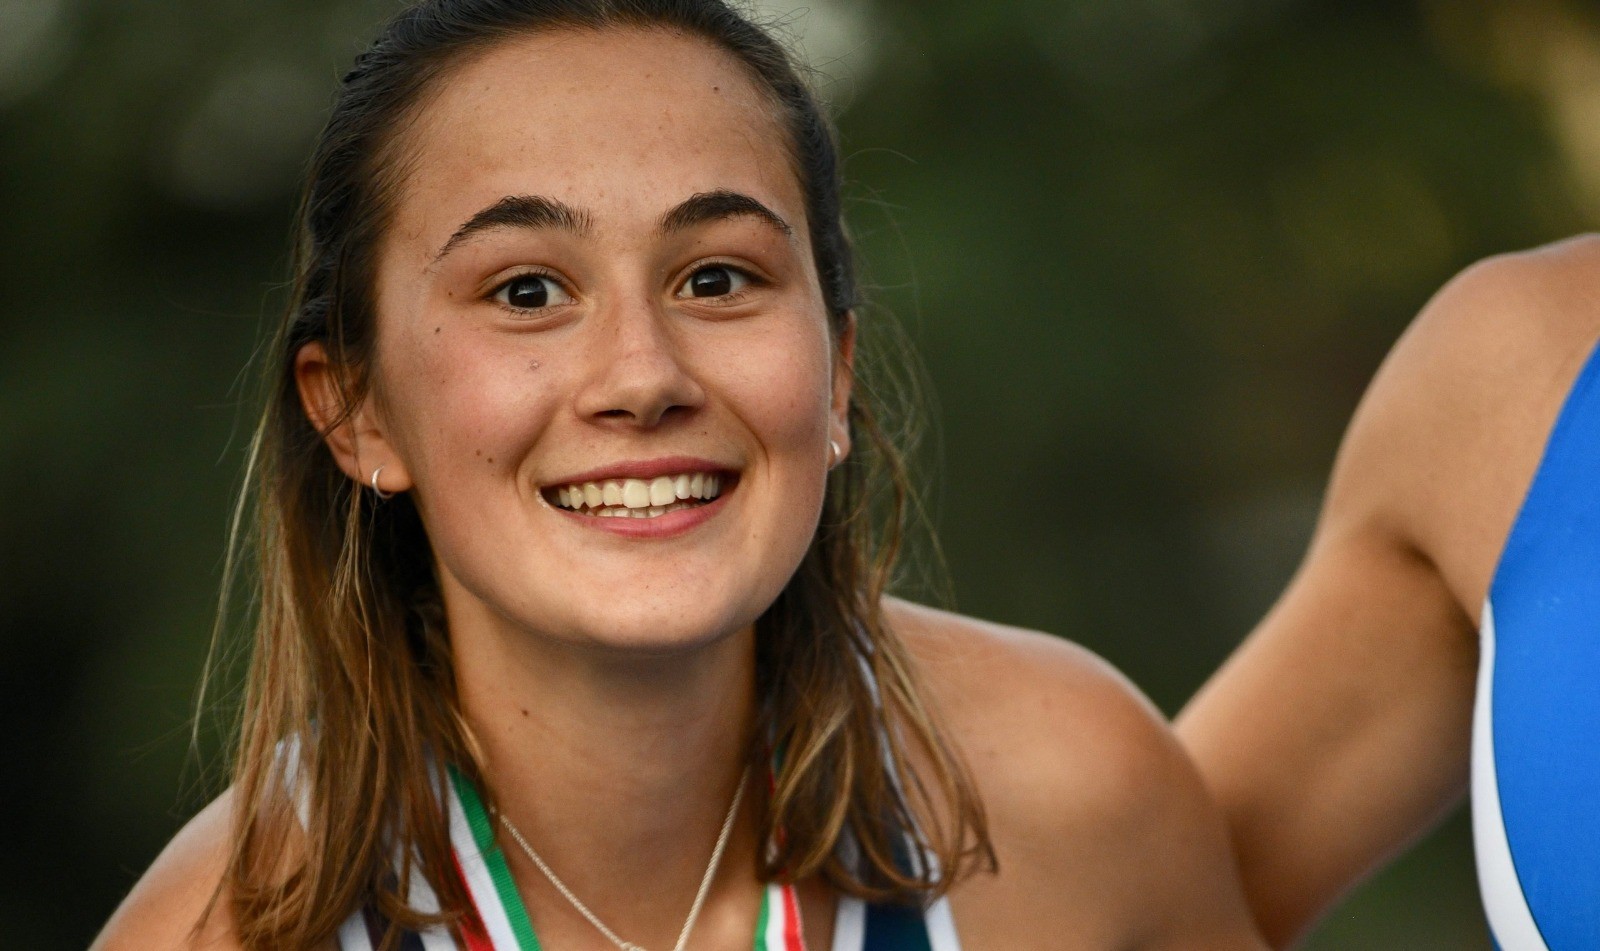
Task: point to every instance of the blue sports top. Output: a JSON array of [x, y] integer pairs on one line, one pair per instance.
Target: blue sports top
[[1536, 724]]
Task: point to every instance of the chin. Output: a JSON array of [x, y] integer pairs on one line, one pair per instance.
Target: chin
[[672, 613], [654, 628]]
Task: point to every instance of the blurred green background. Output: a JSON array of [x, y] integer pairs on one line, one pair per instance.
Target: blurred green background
[[1150, 251]]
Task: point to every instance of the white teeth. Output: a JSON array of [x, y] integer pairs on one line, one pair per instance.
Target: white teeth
[[639, 498]]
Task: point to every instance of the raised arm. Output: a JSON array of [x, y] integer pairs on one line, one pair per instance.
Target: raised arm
[[1340, 731]]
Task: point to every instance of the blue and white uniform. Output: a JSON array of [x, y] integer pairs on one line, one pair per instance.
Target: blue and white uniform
[[1536, 726]]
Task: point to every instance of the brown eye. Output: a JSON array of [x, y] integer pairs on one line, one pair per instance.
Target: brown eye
[[531, 291], [715, 281]]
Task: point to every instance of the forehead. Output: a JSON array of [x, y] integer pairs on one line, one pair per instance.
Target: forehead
[[623, 123]]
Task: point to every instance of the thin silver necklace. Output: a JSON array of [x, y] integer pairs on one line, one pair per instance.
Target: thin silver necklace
[[699, 897]]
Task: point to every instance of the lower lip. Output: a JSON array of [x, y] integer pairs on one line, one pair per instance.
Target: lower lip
[[667, 525]]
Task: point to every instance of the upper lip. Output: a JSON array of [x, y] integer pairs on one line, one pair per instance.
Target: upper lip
[[642, 469]]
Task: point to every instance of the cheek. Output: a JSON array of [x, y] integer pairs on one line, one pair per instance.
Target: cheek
[[781, 387], [464, 404]]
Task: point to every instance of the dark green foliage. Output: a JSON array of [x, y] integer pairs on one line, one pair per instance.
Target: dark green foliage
[[1150, 253]]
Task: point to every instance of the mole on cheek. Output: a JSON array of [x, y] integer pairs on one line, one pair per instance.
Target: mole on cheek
[[533, 364]]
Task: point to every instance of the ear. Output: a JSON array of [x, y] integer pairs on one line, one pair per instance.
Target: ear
[[353, 434], [844, 378]]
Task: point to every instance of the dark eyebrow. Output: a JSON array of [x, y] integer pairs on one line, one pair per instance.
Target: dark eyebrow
[[718, 206], [519, 211]]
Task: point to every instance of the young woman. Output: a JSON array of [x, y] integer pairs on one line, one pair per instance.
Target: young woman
[[1444, 623], [573, 630]]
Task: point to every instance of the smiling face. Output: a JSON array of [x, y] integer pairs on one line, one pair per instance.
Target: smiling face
[[603, 368]]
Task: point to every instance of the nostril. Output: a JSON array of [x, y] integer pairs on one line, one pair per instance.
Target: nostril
[[646, 418]]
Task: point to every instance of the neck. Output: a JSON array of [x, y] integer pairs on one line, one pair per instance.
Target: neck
[[617, 768]]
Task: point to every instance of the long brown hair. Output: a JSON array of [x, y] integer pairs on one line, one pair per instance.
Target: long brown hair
[[350, 698]]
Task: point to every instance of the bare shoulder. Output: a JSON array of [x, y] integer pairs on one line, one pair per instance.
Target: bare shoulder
[[166, 907], [1098, 818], [1543, 296], [1545, 292], [1502, 326], [1446, 440], [1004, 691]]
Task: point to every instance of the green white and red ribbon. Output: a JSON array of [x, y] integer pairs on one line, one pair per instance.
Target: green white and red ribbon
[[502, 923]]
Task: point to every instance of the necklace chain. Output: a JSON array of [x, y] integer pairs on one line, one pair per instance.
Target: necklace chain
[[699, 897]]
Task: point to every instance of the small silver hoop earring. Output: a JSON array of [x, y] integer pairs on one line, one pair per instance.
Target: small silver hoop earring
[[375, 490], [834, 453]]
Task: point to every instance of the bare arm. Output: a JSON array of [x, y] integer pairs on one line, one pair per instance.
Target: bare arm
[[1340, 731], [1164, 845]]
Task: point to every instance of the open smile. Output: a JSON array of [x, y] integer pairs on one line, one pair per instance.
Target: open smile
[[639, 498]]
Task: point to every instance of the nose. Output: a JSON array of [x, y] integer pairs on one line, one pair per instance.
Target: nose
[[639, 374]]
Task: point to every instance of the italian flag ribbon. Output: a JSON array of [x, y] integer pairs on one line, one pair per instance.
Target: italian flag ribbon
[[778, 929], [502, 923]]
